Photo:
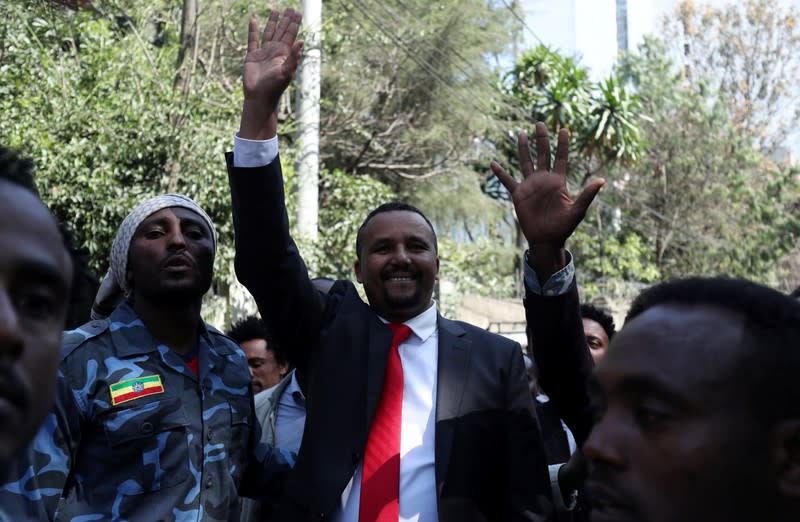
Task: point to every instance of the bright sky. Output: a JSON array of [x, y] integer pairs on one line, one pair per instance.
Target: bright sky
[[588, 27]]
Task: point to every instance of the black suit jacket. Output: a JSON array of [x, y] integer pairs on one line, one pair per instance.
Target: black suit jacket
[[562, 357], [556, 442], [490, 464], [565, 367]]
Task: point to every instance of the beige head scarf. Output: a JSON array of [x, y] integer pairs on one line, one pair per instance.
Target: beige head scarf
[[114, 286]]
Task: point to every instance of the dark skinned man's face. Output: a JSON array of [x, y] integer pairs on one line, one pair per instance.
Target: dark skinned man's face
[[674, 440], [171, 256], [35, 279], [398, 264]]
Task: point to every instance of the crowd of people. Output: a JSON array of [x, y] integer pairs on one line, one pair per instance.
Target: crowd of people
[[327, 407]]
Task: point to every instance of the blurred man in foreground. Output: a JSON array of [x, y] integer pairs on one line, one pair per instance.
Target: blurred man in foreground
[[698, 407], [35, 280]]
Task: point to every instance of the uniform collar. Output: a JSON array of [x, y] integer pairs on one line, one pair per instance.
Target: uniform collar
[[131, 337]]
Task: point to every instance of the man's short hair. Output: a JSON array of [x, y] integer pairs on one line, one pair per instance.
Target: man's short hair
[[601, 317], [770, 363], [19, 171], [392, 206], [250, 328]]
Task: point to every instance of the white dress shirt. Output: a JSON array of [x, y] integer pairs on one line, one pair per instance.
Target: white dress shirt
[[420, 357]]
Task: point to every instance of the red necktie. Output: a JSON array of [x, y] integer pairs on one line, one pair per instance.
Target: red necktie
[[380, 480]]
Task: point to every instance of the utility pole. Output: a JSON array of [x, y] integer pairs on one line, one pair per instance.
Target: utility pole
[[308, 97]]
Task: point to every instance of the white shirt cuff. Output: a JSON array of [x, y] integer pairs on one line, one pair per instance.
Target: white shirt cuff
[[254, 153]]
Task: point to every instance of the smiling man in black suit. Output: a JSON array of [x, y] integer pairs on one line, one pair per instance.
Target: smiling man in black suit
[[410, 416]]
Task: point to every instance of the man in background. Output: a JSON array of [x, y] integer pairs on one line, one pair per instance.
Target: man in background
[[267, 363], [598, 328]]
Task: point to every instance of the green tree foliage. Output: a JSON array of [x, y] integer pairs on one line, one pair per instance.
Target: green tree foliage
[[406, 86], [479, 268], [89, 96], [602, 117], [114, 102], [700, 199], [408, 89]]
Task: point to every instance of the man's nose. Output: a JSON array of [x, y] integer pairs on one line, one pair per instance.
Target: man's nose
[[605, 443], [177, 240], [10, 328], [401, 255]]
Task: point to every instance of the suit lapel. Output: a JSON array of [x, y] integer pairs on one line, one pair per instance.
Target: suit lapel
[[378, 345], [453, 368]]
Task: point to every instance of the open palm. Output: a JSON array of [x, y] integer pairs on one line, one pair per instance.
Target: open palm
[[546, 213], [272, 57]]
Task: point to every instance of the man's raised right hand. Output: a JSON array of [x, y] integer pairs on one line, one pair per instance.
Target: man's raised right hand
[[269, 66]]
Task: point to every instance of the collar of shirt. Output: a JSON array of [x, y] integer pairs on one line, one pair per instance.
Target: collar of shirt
[[131, 337], [422, 325], [293, 389]]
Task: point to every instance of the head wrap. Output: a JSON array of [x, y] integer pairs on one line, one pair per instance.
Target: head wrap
[[115, 283]]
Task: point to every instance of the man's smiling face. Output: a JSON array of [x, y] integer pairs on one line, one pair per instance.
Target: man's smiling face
[[398, 264]]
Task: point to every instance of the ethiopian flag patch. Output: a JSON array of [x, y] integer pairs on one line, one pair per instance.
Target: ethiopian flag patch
[[125, 391]]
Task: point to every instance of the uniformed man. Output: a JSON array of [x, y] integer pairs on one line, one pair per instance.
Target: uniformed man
[[154, 415]]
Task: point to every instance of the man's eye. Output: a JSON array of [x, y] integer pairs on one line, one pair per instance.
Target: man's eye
[[195, 233], [153, 234], [37, 305], [651, 419]]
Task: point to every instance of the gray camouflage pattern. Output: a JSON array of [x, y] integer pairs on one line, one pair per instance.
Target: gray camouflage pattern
[[184, 454]]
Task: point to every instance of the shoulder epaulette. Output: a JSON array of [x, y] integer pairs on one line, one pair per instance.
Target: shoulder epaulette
[[74, 338]]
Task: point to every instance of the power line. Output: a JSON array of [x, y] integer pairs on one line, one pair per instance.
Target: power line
[[525, 25]]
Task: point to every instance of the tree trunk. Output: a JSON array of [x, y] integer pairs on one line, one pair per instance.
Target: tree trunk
[[187, 57]]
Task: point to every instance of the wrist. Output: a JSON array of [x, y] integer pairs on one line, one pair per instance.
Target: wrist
[[259, 120], [546, 259]]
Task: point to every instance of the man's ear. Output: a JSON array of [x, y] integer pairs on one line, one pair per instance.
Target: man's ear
[[786, 457], [437, 267], [357, 270]]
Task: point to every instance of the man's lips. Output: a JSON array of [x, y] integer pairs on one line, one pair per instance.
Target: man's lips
[[608, 504], [400, 277], [177, 262]]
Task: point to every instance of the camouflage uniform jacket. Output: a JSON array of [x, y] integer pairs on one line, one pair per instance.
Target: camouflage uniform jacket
[[137, 436]]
